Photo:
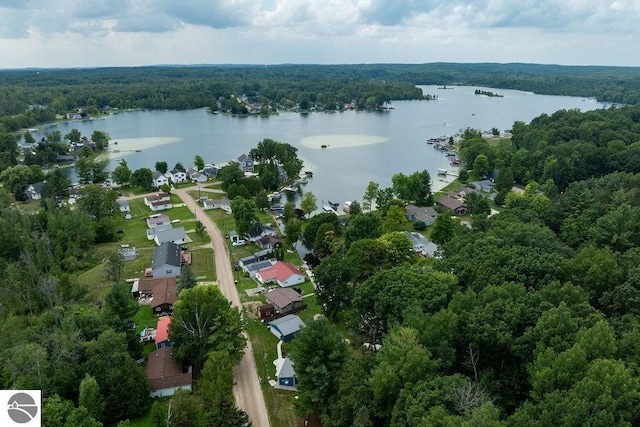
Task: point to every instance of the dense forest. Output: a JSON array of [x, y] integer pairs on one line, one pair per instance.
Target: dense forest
[[528, 317], [24, 92]]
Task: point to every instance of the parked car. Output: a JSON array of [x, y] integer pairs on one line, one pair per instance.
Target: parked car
[[239, 243]]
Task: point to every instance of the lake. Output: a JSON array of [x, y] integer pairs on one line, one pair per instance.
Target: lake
[[361, 146]]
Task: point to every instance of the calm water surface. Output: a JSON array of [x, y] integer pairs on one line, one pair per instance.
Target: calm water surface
[[340, 173]]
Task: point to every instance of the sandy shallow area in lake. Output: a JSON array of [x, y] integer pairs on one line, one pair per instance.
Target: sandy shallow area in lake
[[126, 146], [341, 141]]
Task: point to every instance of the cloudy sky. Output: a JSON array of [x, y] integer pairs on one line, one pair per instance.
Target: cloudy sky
[[86, 33]]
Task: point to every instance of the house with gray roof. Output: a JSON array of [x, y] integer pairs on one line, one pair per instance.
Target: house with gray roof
[[285, 373], [34, 191], [485, 185], [175, 235], [124, 206], [127, 253], [151, 232], [421, 244], [252, 269], [285, 300], [166, 260], [255, 257], [285, 328], [224, 204], [421, 214], [159, 179]]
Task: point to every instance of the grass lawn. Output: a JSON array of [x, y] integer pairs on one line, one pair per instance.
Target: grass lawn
[[203, 264]]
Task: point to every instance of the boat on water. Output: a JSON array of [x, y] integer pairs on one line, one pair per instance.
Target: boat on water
[[309, 173], [291, 189], [324, 146], [328, 208], [302, 180], [333, 205], [442, 171]]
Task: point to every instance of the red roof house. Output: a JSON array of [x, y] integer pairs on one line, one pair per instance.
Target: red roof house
[[162, 332], [283, 273]]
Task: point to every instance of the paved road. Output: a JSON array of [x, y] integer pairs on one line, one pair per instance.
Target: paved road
[[246, 390]]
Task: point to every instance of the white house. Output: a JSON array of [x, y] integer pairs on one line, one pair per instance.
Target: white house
[[159, 180], [421, 244], [224, 204], [196, 176], [124, 206], [178, 176], [158, 202], [283, 273], [175, 235], [157, 220]]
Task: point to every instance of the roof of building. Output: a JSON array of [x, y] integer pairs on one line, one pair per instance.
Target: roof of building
[[162, 288], [162, 329], [284, 368], [171, 235], [288, 324], [256, 230], [175, 171], [164, 372], [160, 219], [127, 252], [450, 203], [420, 213], [281, 297], [257, 266], [269, 240], [421, 243], [166, 253], [255, 257], [279, 271], [123, 203], [157, 175]]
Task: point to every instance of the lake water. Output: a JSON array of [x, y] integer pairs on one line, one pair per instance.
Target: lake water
[[362, 146]]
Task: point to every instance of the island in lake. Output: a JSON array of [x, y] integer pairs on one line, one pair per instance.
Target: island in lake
[[487, 93]]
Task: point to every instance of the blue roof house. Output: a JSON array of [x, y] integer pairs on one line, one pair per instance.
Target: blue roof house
[[285, 328]]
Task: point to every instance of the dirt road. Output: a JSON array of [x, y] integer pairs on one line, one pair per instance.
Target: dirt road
[[247, 391]]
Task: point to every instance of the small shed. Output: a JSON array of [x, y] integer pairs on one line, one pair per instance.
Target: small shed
[[127, 253], [265, 310]]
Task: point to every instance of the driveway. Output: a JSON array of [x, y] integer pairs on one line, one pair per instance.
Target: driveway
[[246, 390]]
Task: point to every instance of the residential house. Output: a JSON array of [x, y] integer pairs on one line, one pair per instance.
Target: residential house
[[175, 235], [246, 163], [265, 310], [158, 202], [165, 375], [127, 253], [455, 206], [151, 232], [196, 176], [157, 220], [421, 214], [465, 191], [162, 332], [210, 170], [255, 257], [485, 185], [224, 204], [269, 242], [34, 191], [252, 269], [285, 373], [421, 244], [284, 300], [159, 180], [283, 273], [259, 230], [161, 291], [285, 328], [166, 260], [178, 176], [124, 206]]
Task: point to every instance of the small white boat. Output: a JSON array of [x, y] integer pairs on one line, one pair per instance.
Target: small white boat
[[442, 171]]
